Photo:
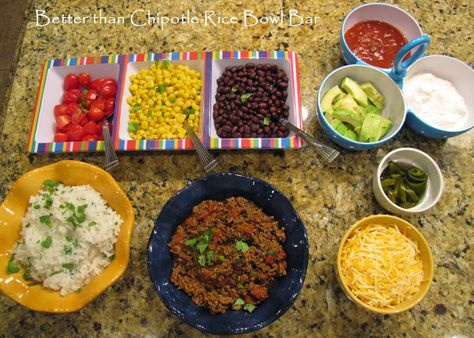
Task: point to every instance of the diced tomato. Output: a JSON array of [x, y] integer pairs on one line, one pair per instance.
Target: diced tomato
[[96, 114], [79, 117], [109, 82], [97, 83], [72, 108], [91, 95], [84, 79], [89, 138], [76, 133], [281, 255], [90, 128], [60, 137], [62, 121], [72, 95], [99, 103], [259, 292], [109, 105], [60, 109], [71, 81], [108, 90], [269, 259]]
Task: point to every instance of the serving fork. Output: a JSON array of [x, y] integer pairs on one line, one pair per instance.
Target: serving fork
[[111, 160], [207, 160], [328, 153]]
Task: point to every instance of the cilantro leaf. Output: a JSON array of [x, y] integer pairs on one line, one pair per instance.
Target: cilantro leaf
[[244, 98], [47, 242]]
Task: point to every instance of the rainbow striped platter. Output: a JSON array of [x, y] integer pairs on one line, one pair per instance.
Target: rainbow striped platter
[[120, 67]]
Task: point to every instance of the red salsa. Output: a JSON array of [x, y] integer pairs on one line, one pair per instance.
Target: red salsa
[[375, 42]]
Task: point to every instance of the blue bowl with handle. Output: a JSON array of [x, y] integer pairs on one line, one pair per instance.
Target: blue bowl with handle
[[461, 77], [399, 19]]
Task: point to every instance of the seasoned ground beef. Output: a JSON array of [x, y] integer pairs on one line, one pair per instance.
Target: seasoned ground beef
[[227, 254]]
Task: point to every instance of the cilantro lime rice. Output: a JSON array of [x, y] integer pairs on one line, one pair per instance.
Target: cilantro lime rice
[[67, 238]]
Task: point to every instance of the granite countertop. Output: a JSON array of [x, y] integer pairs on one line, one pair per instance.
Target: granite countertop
[[329, 198]]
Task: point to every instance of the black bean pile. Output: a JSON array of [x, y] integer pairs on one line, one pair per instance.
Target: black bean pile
[[249, 101]]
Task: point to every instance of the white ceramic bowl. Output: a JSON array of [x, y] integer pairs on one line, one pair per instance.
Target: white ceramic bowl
[[410, 157], [460, 75]]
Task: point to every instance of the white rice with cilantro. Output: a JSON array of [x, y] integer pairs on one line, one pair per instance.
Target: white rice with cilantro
[[68, 237]]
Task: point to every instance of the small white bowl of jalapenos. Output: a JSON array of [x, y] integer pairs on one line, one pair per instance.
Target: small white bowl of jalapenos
[[407, 181]]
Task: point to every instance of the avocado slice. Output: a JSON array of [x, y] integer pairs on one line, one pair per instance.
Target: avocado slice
[[328, 98], [338, 100], [372, 109], [342, 129], [332, 120], [354, 119], [374, 127], [373, 94], [351, 87], [348, 103], [350, 134]]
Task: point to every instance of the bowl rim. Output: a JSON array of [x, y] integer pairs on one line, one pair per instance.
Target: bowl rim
[[76, 304], [411, 111], [358, 143], [372, 4], [382, 165], [396, 220], [247, 329]]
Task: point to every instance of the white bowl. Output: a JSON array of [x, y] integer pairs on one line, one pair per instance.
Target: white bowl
[[410, 157]]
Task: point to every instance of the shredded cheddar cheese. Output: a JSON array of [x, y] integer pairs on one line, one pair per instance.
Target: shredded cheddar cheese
[[381, 266]]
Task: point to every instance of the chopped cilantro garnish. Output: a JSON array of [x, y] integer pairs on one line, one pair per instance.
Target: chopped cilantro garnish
[[266, 121], [221, 258], [133, 126], [51, 185], [112, 257], [189, 111], [234, 89], [165, 64], [249, 308], [47, 242], [67, 250], [27, 275], [68, 266], [12, 266], [239, 301], [210, 256], [69, 238], [202, 246], [54, 273], [92, 223], [241, 246], [161, 88], [48, 202], [172, 99], [136, 107], [27, 225], [244, 98], [46, 219], [202, 260], [191, 242], [36, 206]]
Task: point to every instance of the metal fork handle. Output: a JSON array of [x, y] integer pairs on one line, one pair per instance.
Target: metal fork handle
[[111, 159], [328, 153], [207, 160]]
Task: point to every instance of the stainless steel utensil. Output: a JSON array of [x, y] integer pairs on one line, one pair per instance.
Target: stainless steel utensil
[[207, 160], [328, 153], [111, 160]]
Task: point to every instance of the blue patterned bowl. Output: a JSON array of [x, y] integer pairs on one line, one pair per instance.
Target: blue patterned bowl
[[219, 187]]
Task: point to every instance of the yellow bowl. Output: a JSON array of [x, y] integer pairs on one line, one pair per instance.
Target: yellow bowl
[[411, 232], [12, 210]]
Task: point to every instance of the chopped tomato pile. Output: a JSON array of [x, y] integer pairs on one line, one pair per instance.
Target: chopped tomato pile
[[85, 105]]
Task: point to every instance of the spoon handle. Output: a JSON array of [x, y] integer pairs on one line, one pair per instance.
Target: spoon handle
[[328, 153]]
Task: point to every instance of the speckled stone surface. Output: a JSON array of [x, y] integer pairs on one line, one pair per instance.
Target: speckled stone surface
[[329, 198]]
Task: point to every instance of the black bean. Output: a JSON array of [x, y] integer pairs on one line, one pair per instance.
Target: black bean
[[268, 85]]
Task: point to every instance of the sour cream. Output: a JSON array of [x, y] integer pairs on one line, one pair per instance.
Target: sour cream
[[436, 101]]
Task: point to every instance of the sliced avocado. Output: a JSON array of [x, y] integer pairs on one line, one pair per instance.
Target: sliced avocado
[[372, 109], [354, 89], [354, 119], [374, 127], [342, 129], [348, 103], [373, 94], [338, 100], [328, 98], [357, 130], [350, 134], [333, 121]]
